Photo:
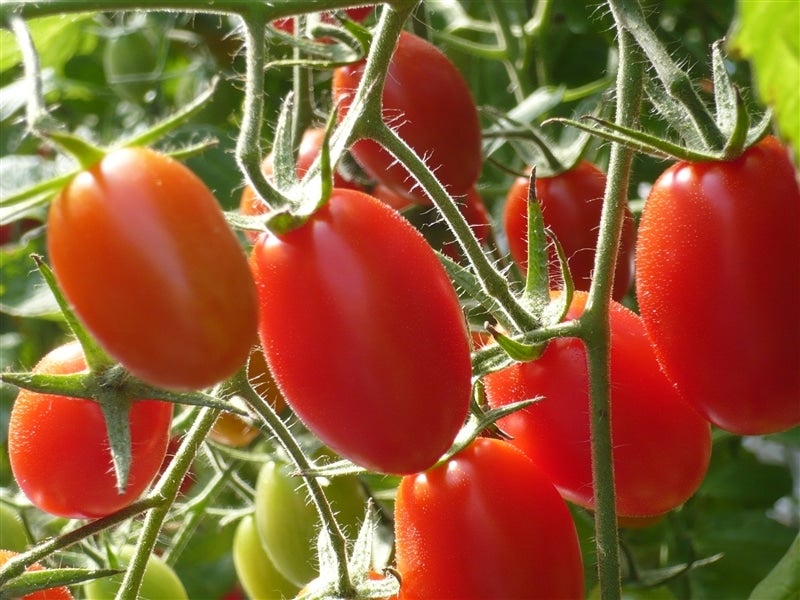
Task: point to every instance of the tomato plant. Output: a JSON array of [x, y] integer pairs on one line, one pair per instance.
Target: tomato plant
[[13, 535], [346, 296], [59, 593], [648, 416], [485, 524], [717, 262], [45, 426], [159, 582], [428, 101], [571, 204], [141, 249]]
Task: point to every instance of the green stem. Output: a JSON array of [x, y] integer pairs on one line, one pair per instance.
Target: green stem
[[514, 49], [165, 491], [536, 48], [628, 15], [514, 316], [595, 320], [16, 565], [284, 437], [35, 108]]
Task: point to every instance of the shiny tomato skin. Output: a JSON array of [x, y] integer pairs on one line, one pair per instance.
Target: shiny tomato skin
[[58, 446], [571, 205], [345, 300], [142, 251], [485, 524], [58, 593], [718, 283], [662, 445], [429, 103]]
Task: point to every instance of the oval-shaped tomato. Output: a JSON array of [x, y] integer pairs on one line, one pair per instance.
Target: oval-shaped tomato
[[428, 102], [58, 446], [662, 445], [142, 251], [345, 301], [254, 568], [159, 582], [59, 593], [310, 145], [718, 280], [571, 205], [288, 523], [486, 524]]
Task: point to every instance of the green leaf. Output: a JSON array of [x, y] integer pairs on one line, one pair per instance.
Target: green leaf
[[768, 34], [783, 582], [22, 290]]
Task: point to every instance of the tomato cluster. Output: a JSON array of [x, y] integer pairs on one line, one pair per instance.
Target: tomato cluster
[[349, 325]]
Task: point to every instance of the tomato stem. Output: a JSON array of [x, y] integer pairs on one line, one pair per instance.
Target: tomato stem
[[278, 429]]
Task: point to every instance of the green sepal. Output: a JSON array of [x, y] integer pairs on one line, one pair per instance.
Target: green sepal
[[284, 171], [33, 581], [116, 411], [74, 385], [516, 350], [96, 358], [537, 282], [557, 308], [84, 152], [467, 283]]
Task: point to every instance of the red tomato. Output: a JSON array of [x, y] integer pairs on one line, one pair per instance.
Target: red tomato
[[718, 283], [59, 593], [486, 524], [344, 300], [141, 249], [310, 145], [571, 205], [58, 446], [662, 445], [427, 99]]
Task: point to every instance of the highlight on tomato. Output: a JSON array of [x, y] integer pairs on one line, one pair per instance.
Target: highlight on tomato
[[59, 450], [485, 524], [58, 593], [141, 249], [647, 417], [718, 277], [348, 296], [428, 102], [571, 204]]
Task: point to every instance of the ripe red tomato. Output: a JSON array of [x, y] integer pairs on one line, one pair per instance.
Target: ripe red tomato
[[486, 524], [344, 300], [141, 249], [718, 283], [571, 205], [662, 445], [58, 446], [59, 593], [358, 14], [427, 100]]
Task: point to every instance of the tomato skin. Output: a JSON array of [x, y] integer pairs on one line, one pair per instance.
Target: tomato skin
[[58, 446], [718, 263], [662, 445], [346, 297], [59, 593], [141, 249], [571, 205], [428, 101], [486, 524]]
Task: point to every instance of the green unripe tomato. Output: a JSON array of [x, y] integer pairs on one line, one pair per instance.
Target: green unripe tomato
[[159, 582], [257, 574], [288, 523], [13, 535]]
